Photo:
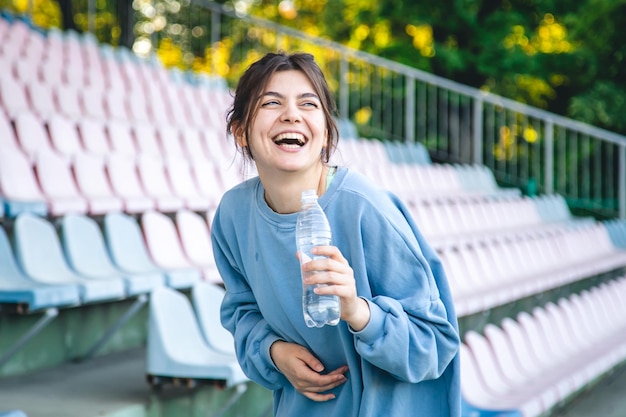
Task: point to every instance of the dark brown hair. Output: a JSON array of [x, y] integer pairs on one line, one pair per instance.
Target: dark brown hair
[[253, 82]]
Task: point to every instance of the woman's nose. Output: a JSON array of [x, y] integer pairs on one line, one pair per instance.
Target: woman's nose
[[291, 114]]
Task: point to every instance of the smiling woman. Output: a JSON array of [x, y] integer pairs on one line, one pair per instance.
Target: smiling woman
[[395, 350]]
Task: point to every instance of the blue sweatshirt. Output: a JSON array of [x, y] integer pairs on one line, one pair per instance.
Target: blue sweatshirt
[[403, 363]]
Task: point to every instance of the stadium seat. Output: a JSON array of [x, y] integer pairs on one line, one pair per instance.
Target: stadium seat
[[195, 238], [146, 140], [25, 295], [39, 253], [13, 96], [92, 100], [129, 252], [184, 186], [69, 101], [41, 99], [58, 185], [31, 134], [121, 138], [138, 107], [193, 145], [207, 300], [26, 68], [86, 252], [93, 184], [115, 104], [170, 141], [176, 348], [93, 137], [209, 183], [18, 185], [156, 185], [122, 174], [64, 136], [7, 134], [165, 248]]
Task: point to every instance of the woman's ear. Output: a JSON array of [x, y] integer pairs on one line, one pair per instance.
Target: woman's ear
[[240, 135]]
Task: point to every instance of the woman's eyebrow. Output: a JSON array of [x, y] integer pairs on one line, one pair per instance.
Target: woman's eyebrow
[[300, 96]]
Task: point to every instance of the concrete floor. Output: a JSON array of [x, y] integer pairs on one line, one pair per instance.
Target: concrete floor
[[115, 386]]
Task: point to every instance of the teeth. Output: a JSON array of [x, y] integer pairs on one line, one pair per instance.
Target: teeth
[[291, 136]]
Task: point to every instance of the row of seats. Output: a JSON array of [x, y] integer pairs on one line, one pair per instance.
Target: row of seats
[[87, 184], [450, 218], [377, 160], [186, 341], [489, 272], [59, 134], [527, 365], [81, 262], [73, 75]]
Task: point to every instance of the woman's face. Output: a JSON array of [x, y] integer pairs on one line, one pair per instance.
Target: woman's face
[[289, 130]]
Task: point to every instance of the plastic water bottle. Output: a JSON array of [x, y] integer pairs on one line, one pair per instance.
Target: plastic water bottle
[[312, 230]]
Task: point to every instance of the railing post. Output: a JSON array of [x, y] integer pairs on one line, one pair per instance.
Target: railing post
[[478, 132], [409, 112], [548, 185], [622, 181], [215, 34], [344, 88], [91, 16]]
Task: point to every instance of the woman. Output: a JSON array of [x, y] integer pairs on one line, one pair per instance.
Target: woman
[[395, 351]]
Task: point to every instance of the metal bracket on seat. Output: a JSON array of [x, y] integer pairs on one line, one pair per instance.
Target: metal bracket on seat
[[48, 316], [132, 310]]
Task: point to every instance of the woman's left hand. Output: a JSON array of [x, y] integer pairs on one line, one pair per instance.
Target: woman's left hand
[[337, 274]]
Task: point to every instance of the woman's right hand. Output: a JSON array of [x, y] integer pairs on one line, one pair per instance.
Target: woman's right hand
[[303, 369]]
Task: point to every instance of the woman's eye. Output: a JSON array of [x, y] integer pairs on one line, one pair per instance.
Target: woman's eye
[[310, 103], [270, 103]]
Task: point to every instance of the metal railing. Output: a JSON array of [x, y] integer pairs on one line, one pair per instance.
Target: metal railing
[[525, 147]]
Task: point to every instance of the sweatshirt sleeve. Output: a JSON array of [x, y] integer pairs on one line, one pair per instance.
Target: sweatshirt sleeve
[[240, 316], [412, 332]]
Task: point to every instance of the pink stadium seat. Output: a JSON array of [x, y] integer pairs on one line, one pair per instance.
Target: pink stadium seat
[[51, 69], [18, 184], [177, 108], [164, 245], [113, 76], [138, 106], [116, 105], [193, 146], [92, 100], [474, 388], [208, 181], [159, 111], [184, 186], [122, 173], [195, 114], [121, 138], [31, 134], [58, 185], [64, 136], [13, 96], [41, 98], [195, 238], [154, 180], [7, 133], [146, 140], [25, 69], [93, 184], [94, 137], [68, 101], [169, 138]]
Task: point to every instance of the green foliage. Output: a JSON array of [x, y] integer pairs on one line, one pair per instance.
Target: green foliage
[[565, 56]]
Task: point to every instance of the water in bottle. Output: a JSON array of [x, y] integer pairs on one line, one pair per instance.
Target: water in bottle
[[312, 230]]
